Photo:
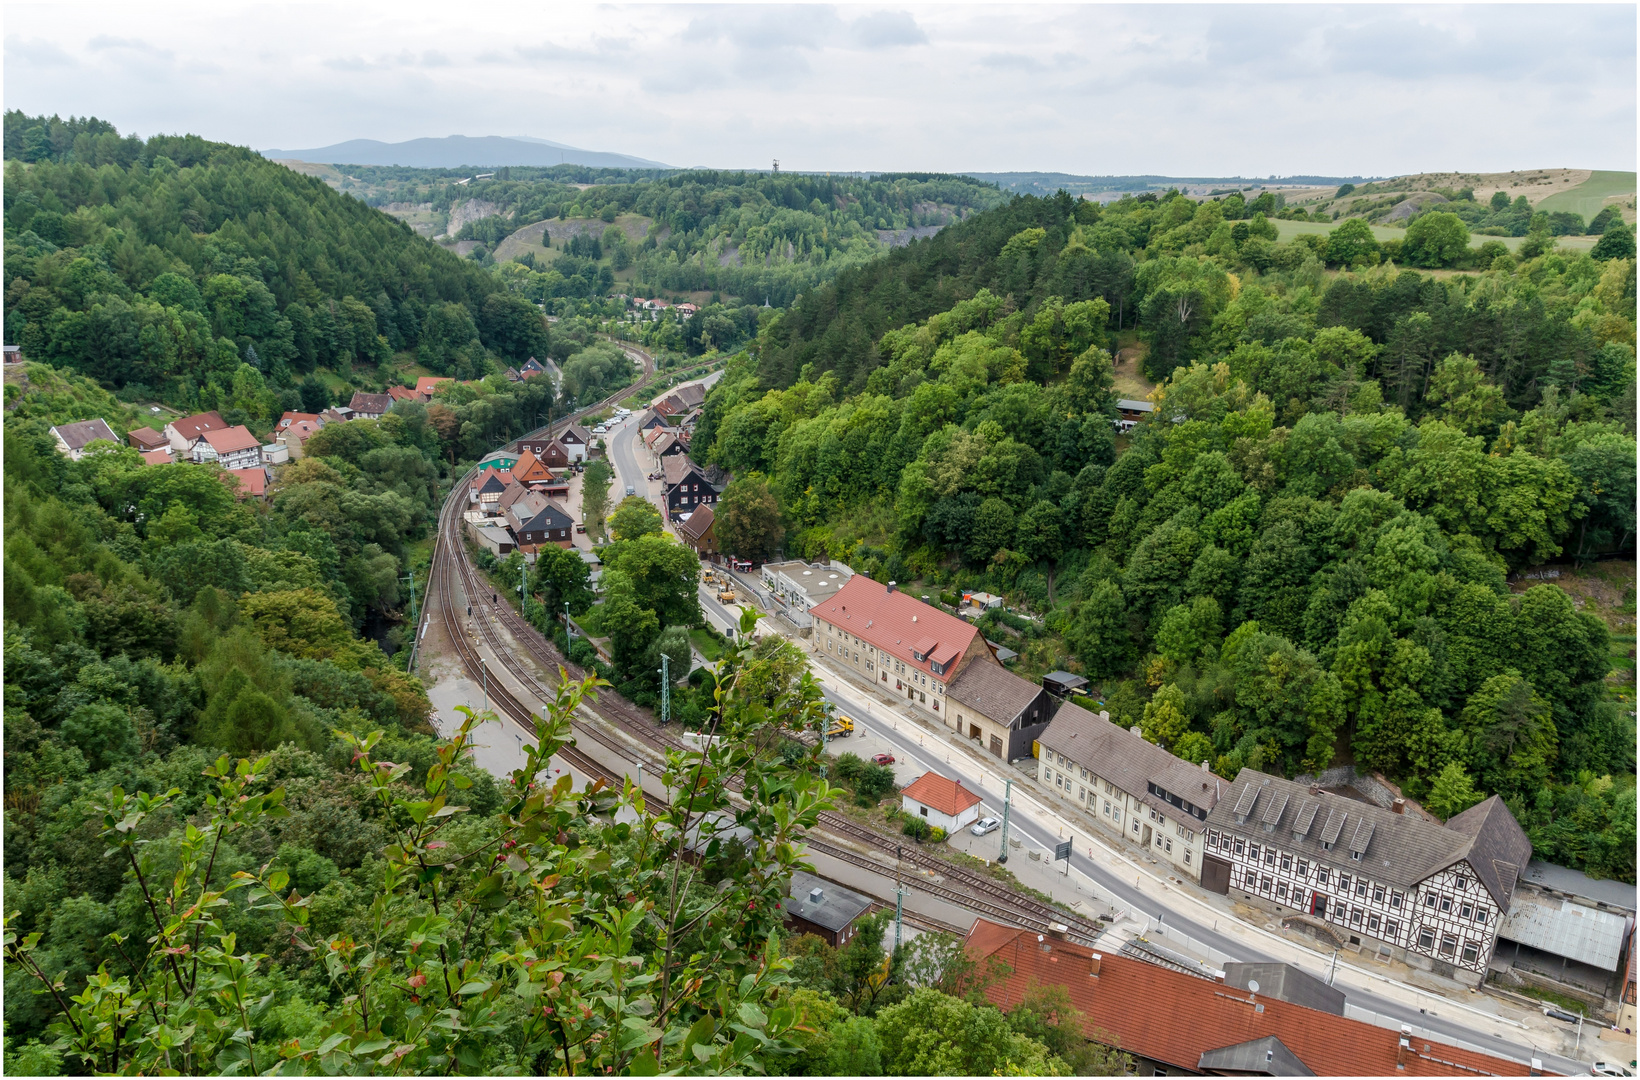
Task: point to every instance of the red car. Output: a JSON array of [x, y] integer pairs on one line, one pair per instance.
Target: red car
[[882, 759]]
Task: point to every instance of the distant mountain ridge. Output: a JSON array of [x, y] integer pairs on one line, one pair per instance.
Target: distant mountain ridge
[[1046, 183], [458, 151]]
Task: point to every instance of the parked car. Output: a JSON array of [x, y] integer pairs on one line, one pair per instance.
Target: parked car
[[1608, 1068], [630, 490], [580, 526], [882, 759], [985, 825], [601, 429]]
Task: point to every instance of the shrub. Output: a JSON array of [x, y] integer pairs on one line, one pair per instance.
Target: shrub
[[937, 835], [875, 782], [850, 766], [917, 829]]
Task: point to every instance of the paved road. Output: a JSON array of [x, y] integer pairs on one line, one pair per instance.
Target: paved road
[[932, 752]]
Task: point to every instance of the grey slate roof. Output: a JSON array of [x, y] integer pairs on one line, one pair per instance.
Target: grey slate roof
[[677, 467], [695, 526], [992, 691], [1284, 982], [836, 907], [1116, 754], [84, 432], [376, 404], [1571, 882], [1401, 849], [1268, 1056]]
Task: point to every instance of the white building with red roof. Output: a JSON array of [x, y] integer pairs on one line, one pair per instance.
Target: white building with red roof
[[941, 801], [183, 434], [897, 642], [231, 448]]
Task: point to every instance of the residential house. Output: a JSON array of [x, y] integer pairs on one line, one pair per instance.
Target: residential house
[[941, 801], [557, 451], [554, 455], [823, 908], [1428, 895], [12, 354], [289, 418], [1197, 1025], [72, 439], [249, 483], [997, 709], [157, 457], [336, 414], [577, 442], [529, 470], [275, 453], [688, 486], [799, 585], [182, 434], [498, 459], [697, 533], [534, 521], [1132, 788], [687, 310], [231, 448], [296, 435], [404, 393], [651, 421], [532, 366], [370, 406], [429, 383], [495, 538], [896, 641], [485, 488], [511, 375], [1626, 1018], [1129, 412], [146, 438], [663, 444]]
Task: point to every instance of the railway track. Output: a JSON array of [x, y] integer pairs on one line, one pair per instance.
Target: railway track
[[960, 886]]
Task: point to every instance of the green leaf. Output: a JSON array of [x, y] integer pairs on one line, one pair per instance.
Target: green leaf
[[644, 1065]]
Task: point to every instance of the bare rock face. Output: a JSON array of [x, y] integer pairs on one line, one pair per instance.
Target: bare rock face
[[1416, 203], [462, 213]]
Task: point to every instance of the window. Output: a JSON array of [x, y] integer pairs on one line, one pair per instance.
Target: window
[[1426, 938], [1170, 847], [1446, 904], [1355, 916], [923, 810], [1240, 846], [1391, 928], [1360, 888], [1252, 852], [1480, 914], [1430, 900], [1135, 824], [1107, 809], [1286, 862], [1395, 900], [1449, 944], [1372, 923], [1187, 856], [1321, 874], [1463, 883], [1378, 894], [1344, 882], [1116, 816], [1269, 856], [1471, 952], [1468, 910], [1281, 890], [1264, 885], [1303, 868], [1252, 877]]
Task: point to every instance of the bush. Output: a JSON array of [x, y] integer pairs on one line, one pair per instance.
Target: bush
[[937, 835], [917, 829], [875, 782], [850, 766]]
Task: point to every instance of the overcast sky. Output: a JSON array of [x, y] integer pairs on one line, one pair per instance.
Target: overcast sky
[[1176, 90]]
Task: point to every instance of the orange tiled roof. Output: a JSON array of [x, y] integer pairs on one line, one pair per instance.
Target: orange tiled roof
[[1184, 1016], [883, 619], [228, 440], [940, 793]]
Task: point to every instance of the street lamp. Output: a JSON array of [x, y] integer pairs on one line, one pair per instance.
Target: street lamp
[[484, 674]]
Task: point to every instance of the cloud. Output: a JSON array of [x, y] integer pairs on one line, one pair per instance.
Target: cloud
[[1175, 89]]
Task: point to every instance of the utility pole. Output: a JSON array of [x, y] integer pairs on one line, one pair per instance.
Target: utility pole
[[524, 590], [484, 674], [569, 634], [1333, 969], [1007, 796], [415, 625], [666, 688], [899, 900]]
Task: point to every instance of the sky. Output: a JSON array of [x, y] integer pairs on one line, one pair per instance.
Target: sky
[[1171, 89]]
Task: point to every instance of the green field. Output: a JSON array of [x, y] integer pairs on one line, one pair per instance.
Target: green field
[[1590, 196], [1286, 230]]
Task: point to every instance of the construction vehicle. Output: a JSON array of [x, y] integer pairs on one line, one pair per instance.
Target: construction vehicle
[[841, 727], [726, 596]]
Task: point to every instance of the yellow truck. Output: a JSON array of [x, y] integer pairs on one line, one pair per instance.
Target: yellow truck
[[841, 727]]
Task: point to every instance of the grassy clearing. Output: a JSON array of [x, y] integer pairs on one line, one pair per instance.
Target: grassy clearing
[[1286, 230], [705, 644], [593, 621], [1590, 196]]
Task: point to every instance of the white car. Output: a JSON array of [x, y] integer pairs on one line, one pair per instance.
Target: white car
[[1608, 1068], [985, 825], [600, 430]]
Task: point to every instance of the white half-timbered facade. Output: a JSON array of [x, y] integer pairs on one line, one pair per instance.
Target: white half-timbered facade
[[1389, 882]]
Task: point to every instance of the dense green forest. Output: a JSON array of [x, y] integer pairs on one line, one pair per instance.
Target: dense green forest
[[1300, 558]]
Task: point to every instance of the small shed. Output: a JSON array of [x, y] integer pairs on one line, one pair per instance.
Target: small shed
[[1003, 654], [1063, 684], [1130, 409], [275, 453], [824, 908], [941, 801]]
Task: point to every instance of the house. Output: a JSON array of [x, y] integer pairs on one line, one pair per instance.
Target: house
[[577, 441], [370, 406], [1129, 409], [497, 540], [663, 443], [275, 453], [532, 366], [983, 600], [529, 470], [511, 375], [498, 459], [295, 436], [1003, 654], [697, 533], [146, 438], [72, 439], [997, 709], [688, 485], [12, 354], [652, 420], [799, 585], [250, 483], [429, 383], [1428, 895], [404, 393], [231, 448], [896, 641], [289, 418], [1176, 1023], [336, 414], [1626, 1018], [687, 310], [485, 488], [823, 908], [554, 456], [556, 452], [1132, 788], [942, 802], [534, 521], [184, 433], [157, 457]]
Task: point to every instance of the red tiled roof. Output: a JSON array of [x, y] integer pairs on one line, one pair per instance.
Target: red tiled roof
[[1185, 1016], [145, 438], [228, 440], [403, 393], [252, 482], [484, 475], [287, 419], [884, 620], [947, 796], [304, 429], [157, 457], [192, 427], [427, 383]]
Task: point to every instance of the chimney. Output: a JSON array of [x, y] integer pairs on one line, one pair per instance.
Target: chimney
[[892, 585], [1204, 764], [1135, 729], [1399, 806], [1093, 965], [816, 895], [1315, 789]]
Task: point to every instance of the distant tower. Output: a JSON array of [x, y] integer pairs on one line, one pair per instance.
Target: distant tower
[[776, 164]]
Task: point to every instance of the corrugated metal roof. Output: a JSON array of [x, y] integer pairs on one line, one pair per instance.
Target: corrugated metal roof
[[1566, 929]]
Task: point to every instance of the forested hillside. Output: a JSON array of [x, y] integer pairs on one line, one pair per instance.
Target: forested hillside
[[1300, 558]]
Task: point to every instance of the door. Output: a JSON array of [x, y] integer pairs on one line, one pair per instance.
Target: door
[[973, 731], [1146, 840], [1318, 906], [996, 746], [1215, 874]]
